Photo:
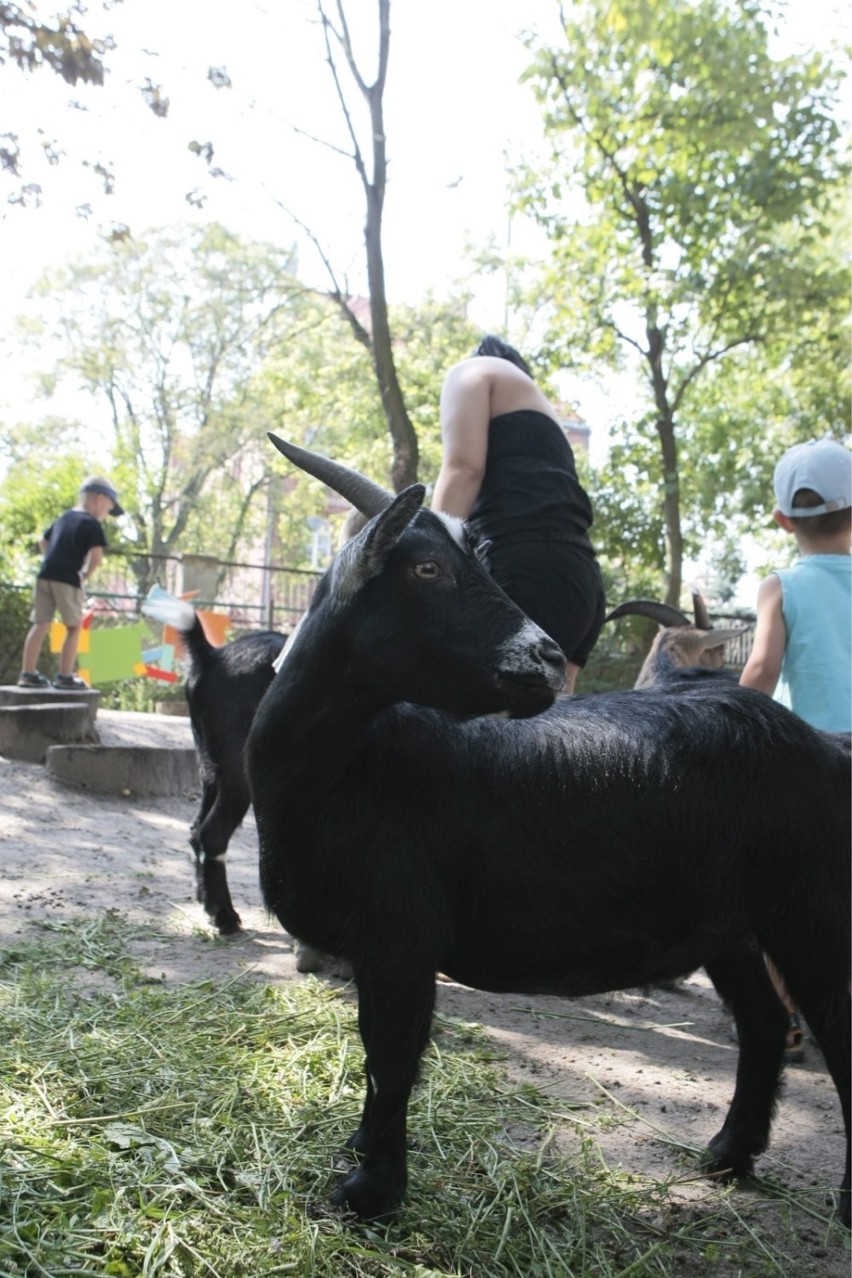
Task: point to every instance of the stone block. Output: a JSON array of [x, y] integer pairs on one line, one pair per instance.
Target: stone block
[[132, 770], [27, 731], [88, 697]]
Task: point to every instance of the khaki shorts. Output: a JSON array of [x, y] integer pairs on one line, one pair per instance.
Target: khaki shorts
[[57, 596]]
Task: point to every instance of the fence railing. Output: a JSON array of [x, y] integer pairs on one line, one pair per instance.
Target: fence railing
[[258, 596], [737, 651], [293, 588], [254, 596]]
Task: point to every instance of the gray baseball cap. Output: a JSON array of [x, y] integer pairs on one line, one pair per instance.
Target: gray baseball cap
[[96, 484], [824, 466]]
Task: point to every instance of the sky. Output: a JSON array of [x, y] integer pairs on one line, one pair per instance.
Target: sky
[[454, 112], [453, 108], [455, 115]]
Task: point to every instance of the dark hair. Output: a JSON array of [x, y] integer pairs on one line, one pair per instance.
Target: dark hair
[[491, 345], [833, 521]]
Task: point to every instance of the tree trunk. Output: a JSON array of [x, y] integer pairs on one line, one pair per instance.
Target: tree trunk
[[403, 437], [671, 511], [668, 447], [405, 450]]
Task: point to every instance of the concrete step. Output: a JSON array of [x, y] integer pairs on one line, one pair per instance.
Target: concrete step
[[124, 753], [127, 770], [21, 697], [136, 754], [28, 731], [132, 728]]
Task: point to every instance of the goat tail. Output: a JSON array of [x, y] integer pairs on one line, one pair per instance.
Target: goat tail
[[162, 606]]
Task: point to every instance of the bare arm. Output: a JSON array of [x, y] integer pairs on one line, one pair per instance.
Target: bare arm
[[465, 414], [92, 562], [763, 667]]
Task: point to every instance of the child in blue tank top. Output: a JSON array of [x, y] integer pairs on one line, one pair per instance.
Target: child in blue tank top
[[802, 649], [803, 637]]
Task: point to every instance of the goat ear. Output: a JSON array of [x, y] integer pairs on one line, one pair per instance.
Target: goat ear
[[715, 638], [382, 534]]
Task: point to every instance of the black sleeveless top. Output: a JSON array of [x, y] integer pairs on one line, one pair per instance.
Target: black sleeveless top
[[530, 482]]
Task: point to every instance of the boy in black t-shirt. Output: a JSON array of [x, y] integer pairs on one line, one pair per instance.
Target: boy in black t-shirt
[[73, 547]]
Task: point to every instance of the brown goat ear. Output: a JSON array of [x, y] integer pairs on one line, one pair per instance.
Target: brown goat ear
[[716, 638]]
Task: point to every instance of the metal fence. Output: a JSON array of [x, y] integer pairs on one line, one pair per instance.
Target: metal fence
[[737, 651], [254, 596], [257, 596]]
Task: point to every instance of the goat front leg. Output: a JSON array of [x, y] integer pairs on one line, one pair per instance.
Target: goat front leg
[[743, 983], [394, 1017]]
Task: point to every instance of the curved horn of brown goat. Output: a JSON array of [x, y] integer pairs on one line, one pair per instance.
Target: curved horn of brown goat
[[364, 495], [663, 613]]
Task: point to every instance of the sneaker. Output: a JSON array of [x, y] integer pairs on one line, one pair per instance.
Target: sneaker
[[32, 679], [71, 683]]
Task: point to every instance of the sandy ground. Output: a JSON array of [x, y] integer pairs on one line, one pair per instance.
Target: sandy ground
[[665, 1056]]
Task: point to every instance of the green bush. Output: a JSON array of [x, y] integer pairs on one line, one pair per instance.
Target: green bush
[[15, 605], [609, 672], [140, 695]]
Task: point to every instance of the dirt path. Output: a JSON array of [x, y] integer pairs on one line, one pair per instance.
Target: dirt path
[[650, 1065]]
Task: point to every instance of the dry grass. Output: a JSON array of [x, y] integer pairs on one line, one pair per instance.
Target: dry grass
[[195, 1131]]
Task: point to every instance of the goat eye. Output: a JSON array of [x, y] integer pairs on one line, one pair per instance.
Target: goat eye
[[427, 571]]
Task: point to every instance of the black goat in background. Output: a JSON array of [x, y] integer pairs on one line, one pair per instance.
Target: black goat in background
[[224, 687]]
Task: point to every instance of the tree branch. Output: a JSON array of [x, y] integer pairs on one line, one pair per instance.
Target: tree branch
[[340, 296], [357, 155]]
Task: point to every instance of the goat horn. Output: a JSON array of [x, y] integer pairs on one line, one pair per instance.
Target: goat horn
[[663, 613], [699, 610], [364, 495]]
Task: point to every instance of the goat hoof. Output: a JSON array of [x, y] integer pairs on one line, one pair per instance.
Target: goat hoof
[[228, 922], [724, 1163], [307, 958], [310, 960], [369, 1197]]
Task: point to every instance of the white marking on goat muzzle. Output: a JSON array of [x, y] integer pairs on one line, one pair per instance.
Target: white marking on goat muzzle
[[523, 651]]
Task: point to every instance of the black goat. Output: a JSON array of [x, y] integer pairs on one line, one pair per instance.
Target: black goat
[[610, 842], [224, 687]]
